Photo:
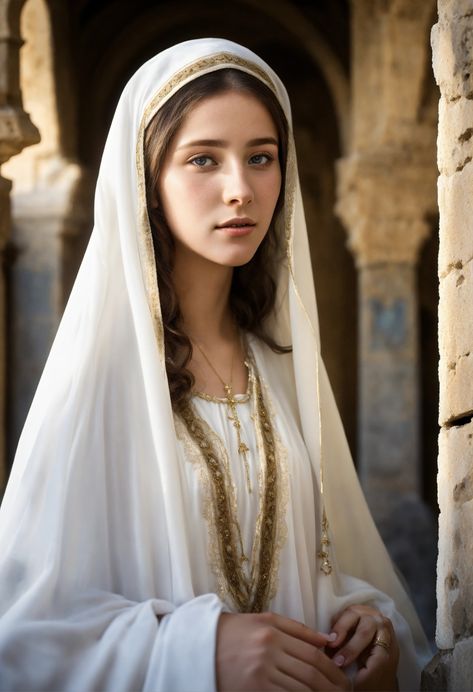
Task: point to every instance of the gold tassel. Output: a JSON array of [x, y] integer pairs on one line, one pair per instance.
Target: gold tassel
[[326, 565]]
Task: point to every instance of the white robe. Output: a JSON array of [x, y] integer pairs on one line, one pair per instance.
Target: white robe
[[303, 593], [101, 584]]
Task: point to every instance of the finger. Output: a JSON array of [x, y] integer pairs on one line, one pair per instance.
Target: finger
[[376, 663], [302, 657], [358, 642], [295, 629], [360, 610], [311, 678], [351, 614], [297, 648], [303, 673], [345, 624], [281, 681]]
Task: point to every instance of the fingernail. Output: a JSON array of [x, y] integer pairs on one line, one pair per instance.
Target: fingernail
[[339, 660], [332, 636]]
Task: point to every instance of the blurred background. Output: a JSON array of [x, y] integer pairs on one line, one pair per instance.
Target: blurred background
[[364, 101]]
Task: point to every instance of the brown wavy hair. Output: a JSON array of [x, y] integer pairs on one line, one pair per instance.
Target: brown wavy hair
[[253, 287]]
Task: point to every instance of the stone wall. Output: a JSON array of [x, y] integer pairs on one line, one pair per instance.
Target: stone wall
[[452, 44]]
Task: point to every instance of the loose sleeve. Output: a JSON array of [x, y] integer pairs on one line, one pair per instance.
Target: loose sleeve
[[109, 643]]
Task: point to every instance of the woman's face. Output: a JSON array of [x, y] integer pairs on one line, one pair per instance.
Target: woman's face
[[221, 179]]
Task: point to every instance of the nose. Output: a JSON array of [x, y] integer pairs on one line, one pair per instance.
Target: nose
[[237, 187]]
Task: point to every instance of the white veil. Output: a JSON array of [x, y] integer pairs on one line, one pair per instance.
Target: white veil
[[94, 541]]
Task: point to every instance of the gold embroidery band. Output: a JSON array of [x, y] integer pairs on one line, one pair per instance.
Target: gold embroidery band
[[253, 595], [268, 523]]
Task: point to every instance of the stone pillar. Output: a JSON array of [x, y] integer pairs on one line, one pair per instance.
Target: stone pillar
[[49, 227], [16, 132], [452, 44], [386, 189], [378, 201], [51, 209], [5, 187], [379, 204]]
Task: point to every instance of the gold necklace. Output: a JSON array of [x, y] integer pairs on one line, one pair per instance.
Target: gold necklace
[[251, 594], [231, 402]]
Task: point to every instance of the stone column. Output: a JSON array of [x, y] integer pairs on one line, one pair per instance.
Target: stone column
[[49, 228], [5, 187], [386, 189], [452, 44], [379, 202], [51, 208], [16, 132]]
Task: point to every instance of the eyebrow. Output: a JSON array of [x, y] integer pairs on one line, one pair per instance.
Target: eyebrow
[[259, 141]]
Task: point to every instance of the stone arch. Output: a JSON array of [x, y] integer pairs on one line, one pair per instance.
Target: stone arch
[[321, 53], [47, 219], [141, 31]]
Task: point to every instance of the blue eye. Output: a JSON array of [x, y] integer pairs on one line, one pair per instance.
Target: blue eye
[[201, 161], [261, 159]]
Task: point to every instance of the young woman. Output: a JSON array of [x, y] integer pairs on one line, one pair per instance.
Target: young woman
[[183, 513]]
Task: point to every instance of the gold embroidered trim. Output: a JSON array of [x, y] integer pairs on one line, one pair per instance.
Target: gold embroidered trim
[[194, 455], [243, 398], [253, 593], [283, 487]]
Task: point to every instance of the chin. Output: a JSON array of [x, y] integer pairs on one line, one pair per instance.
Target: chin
[[239, 259], [239, 256]]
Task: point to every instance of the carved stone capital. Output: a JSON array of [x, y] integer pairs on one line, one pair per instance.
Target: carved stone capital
[[16, 132], [16, 129], [383, 200]]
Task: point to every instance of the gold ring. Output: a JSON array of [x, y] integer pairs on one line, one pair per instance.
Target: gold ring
[[380, 642]]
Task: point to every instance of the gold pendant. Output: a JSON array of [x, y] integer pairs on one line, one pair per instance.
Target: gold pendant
[[242, 448], [326, 566]]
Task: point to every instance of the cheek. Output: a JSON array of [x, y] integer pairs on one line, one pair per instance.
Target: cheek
[[182, 196], [270, 191]]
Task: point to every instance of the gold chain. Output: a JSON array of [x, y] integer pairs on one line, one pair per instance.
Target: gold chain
[[231, 402]]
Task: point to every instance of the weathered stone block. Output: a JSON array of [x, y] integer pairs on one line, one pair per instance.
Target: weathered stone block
[[452, 45], [455, 343], [455, 143], [456, 220], [450, 670], [462, 666], [456, 390], [454, 575], [436, 674], [456, 299]]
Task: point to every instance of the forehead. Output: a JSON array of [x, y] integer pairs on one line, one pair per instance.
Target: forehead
[[229, 112]]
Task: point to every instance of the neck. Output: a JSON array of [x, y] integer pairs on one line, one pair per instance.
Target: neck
[[203, 291]]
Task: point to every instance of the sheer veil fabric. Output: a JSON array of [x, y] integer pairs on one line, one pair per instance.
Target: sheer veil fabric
[[96, 589]]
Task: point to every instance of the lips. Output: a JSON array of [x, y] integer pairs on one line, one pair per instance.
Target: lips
[[237, 222]]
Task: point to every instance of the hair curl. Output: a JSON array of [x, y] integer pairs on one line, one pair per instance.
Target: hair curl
[[253, 287]]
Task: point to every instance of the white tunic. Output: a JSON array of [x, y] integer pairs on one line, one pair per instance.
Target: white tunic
[[295, 596], [303, 592]]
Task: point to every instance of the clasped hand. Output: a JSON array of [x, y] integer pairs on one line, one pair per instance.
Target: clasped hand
[[363, 635], [266, 651]]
